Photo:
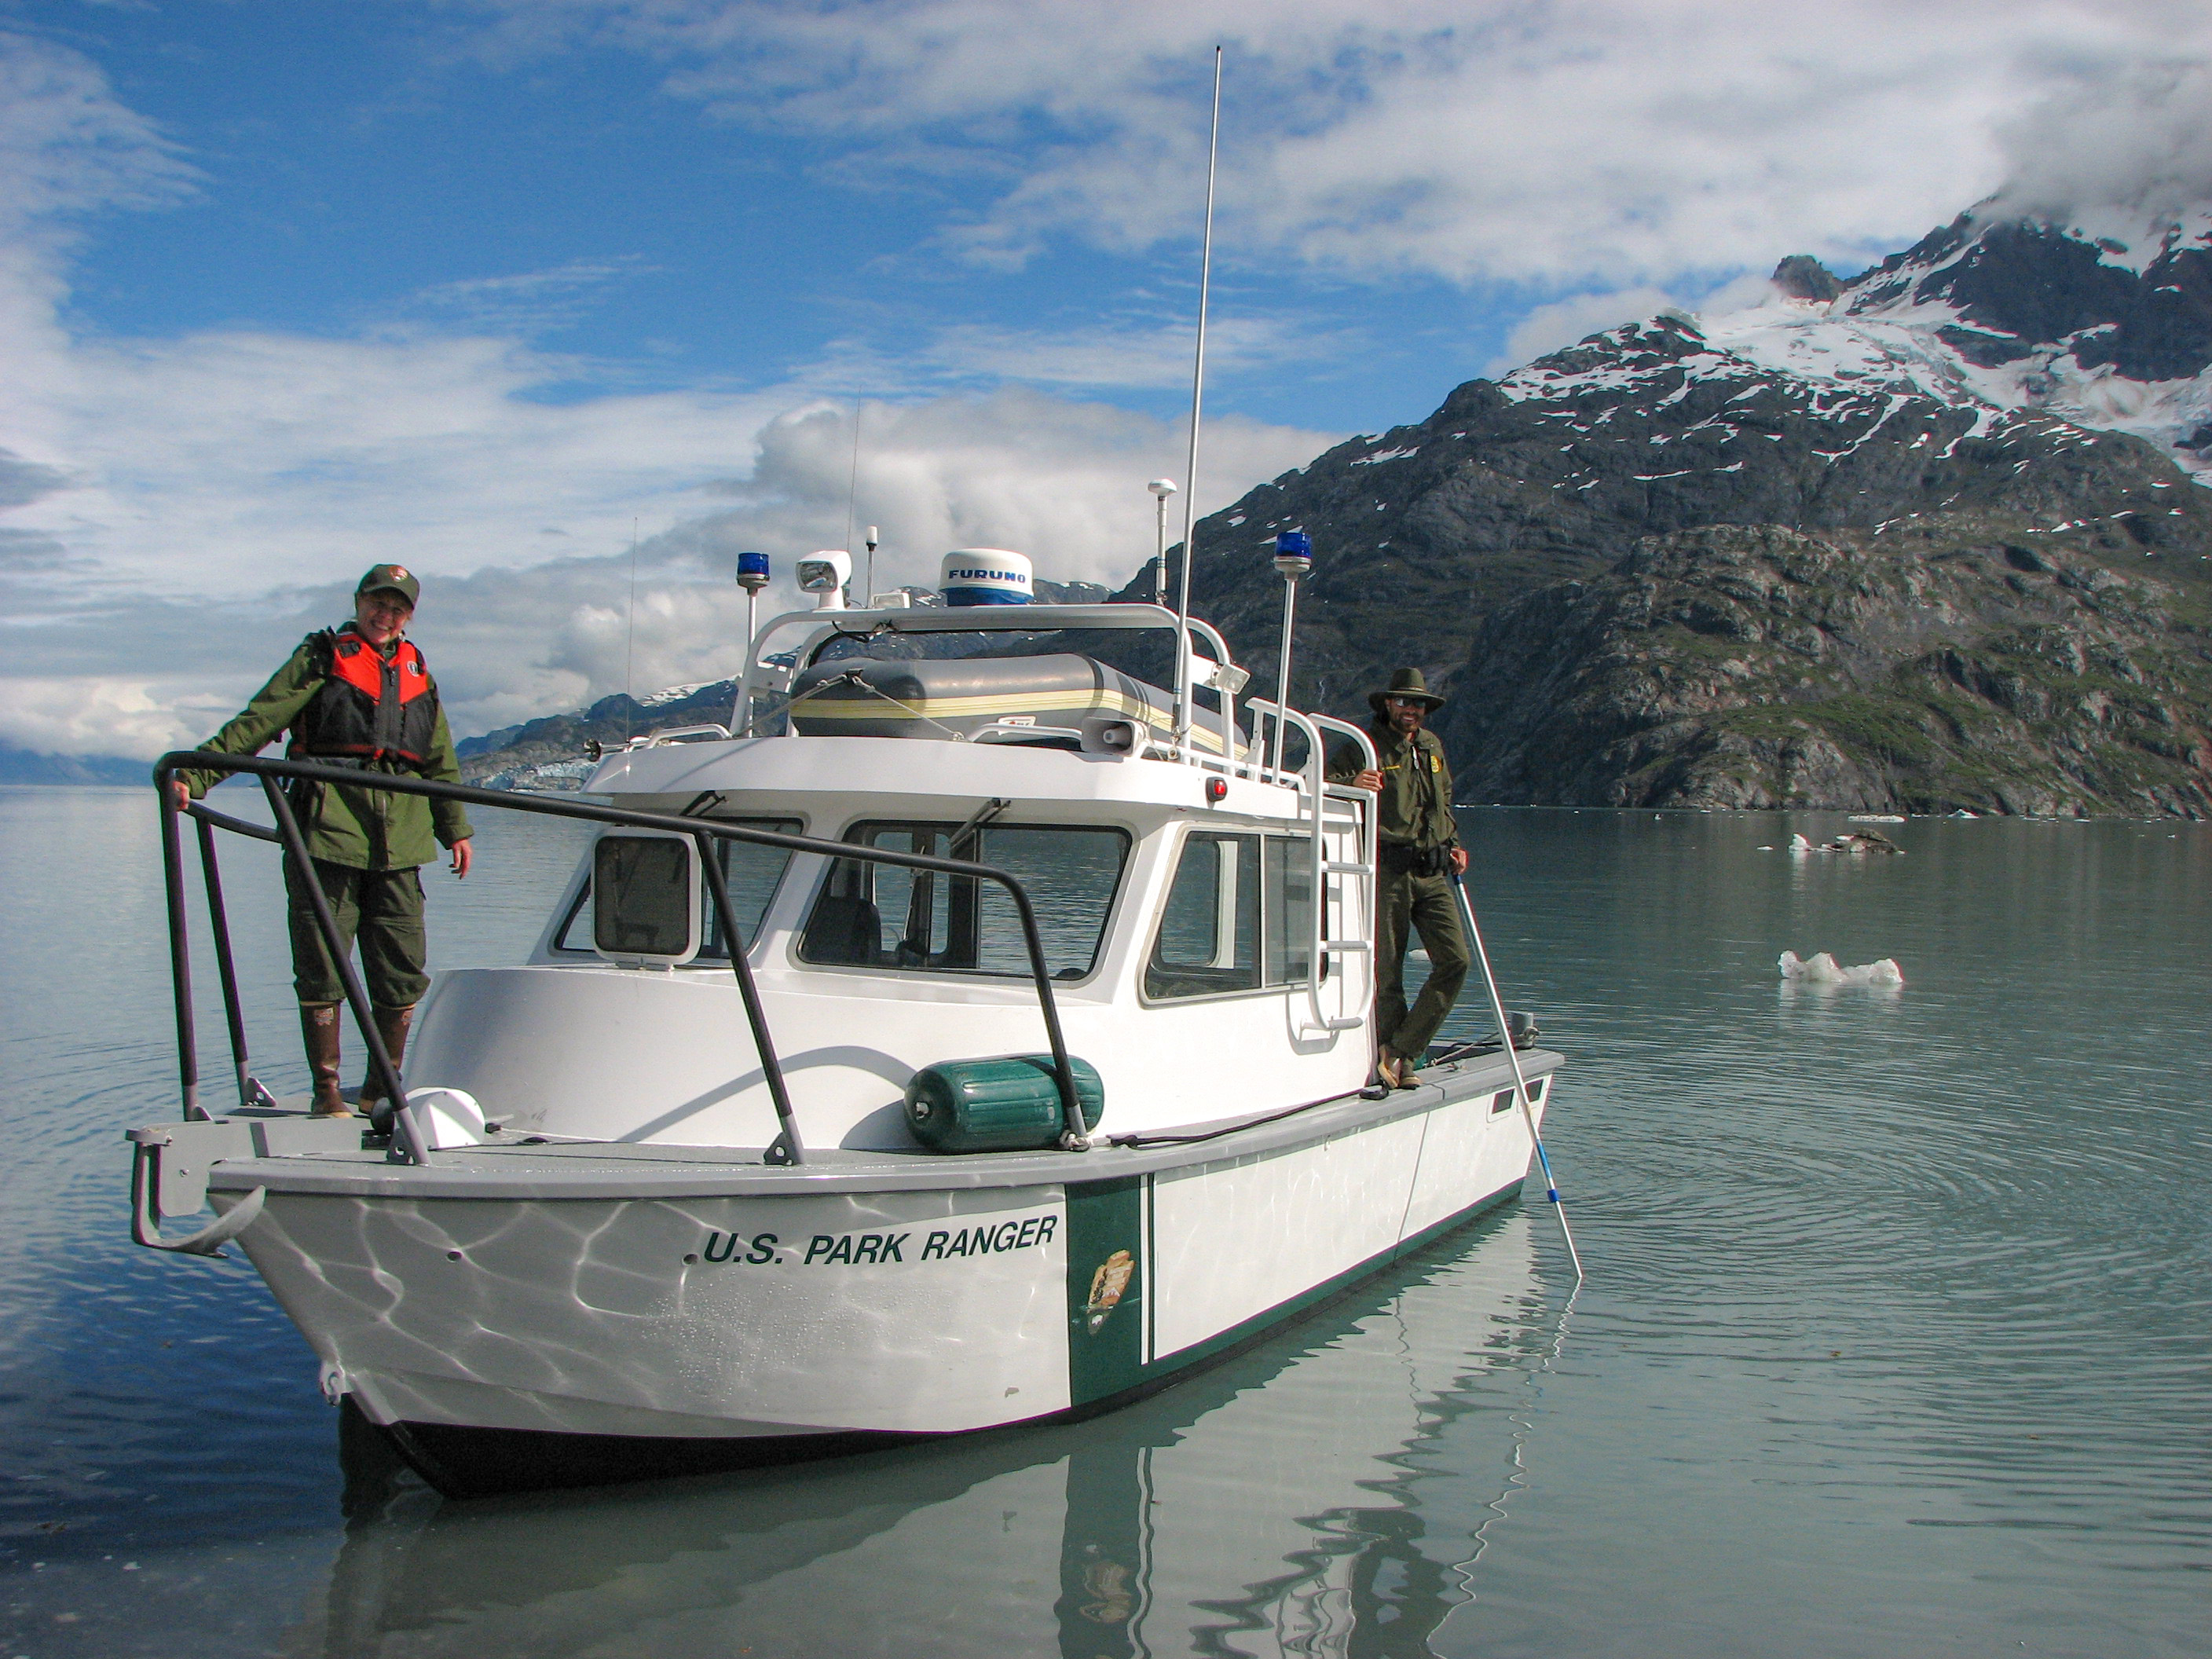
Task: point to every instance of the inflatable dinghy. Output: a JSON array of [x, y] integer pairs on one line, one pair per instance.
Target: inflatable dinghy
[[1064, 700]]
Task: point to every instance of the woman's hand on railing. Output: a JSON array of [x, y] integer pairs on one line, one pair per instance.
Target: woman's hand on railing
[[182, 792]]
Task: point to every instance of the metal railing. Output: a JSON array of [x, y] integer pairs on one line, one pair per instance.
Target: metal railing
[[409, 1144]]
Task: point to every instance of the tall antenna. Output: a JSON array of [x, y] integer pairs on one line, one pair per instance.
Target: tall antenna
[[629, 645], [1184, 699]]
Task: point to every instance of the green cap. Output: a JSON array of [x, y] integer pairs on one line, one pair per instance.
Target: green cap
[[391, 579], [1406, 683]]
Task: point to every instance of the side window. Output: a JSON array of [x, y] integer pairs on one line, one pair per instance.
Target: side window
[[1209, 937], [1239, 916], [1288, 900], [883, 916]]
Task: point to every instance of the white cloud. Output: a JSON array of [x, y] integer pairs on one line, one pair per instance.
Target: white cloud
[[2136, 136], [1567, 144], [178, 512], [1562, 322]]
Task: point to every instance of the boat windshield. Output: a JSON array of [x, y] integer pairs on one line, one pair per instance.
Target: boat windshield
[[925, 922]]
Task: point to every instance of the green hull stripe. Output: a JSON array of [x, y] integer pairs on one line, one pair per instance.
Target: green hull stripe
[[1106, 1312], [1105, 1216]]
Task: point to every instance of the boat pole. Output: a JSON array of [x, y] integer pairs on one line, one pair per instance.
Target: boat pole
[[1520, 1082], [752, 576], [1293, 560], [1161, 489], [1186, 694]]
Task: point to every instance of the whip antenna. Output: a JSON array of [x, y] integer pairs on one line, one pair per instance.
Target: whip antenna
[[1183, 698], [629, 643]]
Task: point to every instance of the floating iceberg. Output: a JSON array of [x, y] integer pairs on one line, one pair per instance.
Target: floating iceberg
[[1823, 969], [1856, 841]]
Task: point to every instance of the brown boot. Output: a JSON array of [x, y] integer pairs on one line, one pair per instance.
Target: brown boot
[[392, 1025], [318, 1029]]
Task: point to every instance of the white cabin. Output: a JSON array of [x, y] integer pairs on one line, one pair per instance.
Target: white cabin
[[1173, 861]]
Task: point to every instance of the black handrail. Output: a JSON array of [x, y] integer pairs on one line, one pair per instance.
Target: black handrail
[[1074, 1136]]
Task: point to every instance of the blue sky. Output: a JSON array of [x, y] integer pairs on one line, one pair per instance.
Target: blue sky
[[288, 287]]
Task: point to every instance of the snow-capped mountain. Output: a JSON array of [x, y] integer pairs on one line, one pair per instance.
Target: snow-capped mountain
[[2105, 321], [1988, 439]]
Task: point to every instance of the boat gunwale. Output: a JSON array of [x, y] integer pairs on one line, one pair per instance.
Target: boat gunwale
[[676, 1172]]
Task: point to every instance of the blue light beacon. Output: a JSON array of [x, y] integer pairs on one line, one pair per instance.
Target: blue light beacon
[[1294, 554]]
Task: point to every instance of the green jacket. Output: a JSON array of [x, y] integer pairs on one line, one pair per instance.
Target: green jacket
[[1415, 806], [362, 829]]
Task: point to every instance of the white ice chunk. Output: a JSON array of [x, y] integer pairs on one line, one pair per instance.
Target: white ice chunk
[[1822, 968]]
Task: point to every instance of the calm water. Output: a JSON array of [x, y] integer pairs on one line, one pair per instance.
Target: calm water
[[1898, 1338]]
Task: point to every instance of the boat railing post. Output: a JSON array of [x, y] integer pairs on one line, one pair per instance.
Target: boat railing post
[[409, 1146], [226, 968], [1075, 1134], [180, 948], [786, 1148]]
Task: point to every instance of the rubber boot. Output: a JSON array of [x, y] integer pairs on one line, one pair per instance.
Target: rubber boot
[[392, 1025], [318, 1030]]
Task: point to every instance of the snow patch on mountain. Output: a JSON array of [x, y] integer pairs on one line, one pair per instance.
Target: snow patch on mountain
[[1901, 331]]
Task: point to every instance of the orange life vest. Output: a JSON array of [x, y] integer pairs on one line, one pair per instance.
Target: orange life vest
[[370, 706]]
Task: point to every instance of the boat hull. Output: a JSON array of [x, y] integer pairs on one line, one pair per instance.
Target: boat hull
[[536, 1340]]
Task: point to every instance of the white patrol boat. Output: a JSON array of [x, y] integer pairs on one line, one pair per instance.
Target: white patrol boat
[[949, 1043]]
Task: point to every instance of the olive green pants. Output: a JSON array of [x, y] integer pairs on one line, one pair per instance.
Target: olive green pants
[[1427, 906], [380, 910]]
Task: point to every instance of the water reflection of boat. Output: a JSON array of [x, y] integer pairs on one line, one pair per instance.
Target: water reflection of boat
[[1270, 1506]]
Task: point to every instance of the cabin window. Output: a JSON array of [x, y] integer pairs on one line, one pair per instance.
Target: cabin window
[[880, 915], [1239, 916], [644, 896], [753, 872]]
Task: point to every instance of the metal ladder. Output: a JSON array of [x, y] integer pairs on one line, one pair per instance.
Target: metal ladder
[[1314, 783]]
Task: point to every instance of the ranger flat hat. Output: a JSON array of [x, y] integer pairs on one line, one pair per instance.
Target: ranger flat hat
[[1406, 683], [391, 579]]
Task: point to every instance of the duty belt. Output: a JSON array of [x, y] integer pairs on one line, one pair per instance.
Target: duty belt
[[1399, 857]]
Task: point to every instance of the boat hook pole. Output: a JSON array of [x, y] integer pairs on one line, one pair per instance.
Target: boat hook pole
[[1520, 1083]]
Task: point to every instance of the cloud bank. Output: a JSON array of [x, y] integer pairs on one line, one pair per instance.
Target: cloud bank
[[178, 512], [1551, 143]]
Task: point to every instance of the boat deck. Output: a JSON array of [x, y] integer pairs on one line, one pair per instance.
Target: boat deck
[[600, 1170]]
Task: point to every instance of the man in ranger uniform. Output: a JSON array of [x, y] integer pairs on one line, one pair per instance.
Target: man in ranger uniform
[[1418, 855], [358, 696]]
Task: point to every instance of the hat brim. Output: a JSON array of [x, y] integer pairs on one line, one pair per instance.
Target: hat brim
[[384, 587], [1376, 699]]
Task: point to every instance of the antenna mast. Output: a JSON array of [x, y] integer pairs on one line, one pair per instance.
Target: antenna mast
[[1184, 698]]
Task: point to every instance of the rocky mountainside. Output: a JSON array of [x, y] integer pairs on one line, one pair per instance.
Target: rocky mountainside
[[1756, 666], [1973, 405]]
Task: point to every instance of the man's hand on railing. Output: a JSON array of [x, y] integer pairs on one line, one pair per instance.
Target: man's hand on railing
[[182, 790], [1369, 779], [464, 856]]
